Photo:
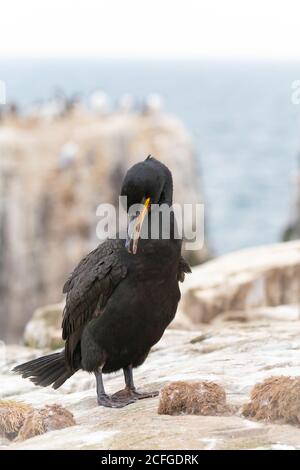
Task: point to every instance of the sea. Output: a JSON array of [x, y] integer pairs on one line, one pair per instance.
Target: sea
[[244, 125]]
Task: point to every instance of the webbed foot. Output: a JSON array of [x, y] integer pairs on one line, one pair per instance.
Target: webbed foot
[[133, 395], [114, 401], [142, 395]]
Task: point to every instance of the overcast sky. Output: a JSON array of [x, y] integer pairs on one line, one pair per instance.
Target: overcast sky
[[255, 29]]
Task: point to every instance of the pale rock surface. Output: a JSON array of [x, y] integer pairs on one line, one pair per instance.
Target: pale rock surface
[[243, 280], [234, 354], [43, 331]]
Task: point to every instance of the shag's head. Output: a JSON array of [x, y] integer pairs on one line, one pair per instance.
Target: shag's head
[[146, 183]]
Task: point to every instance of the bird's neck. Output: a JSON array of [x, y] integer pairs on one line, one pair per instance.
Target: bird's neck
[[161, 224]]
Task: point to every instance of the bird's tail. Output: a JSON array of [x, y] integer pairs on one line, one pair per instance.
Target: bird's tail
[[46, 370]]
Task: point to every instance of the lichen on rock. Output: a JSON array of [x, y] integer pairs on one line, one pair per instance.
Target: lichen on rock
[[275, 399], [49, 418], [198, 398], [12, 417], [20, 421]]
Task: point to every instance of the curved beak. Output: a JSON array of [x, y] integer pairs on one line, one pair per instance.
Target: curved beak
[[135, 227]]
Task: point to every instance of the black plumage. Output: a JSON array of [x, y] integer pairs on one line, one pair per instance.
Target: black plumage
[[118, 304]]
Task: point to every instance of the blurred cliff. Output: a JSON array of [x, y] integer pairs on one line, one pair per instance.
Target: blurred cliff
[[57, 164], [292, 231]]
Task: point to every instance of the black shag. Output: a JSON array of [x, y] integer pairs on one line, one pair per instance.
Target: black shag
[[121, 296]]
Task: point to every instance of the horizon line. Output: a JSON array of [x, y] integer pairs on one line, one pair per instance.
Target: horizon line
[[228, 59]]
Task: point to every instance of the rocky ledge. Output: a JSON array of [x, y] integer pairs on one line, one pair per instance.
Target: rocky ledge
[[234, 354], [241, 281], [243, 358]]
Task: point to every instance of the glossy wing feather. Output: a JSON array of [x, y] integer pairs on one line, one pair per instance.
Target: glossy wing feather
[[88, 290]]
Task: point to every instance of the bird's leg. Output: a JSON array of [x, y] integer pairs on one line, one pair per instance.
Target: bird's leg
[[102, 398], [105, 400], [130, 388]]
